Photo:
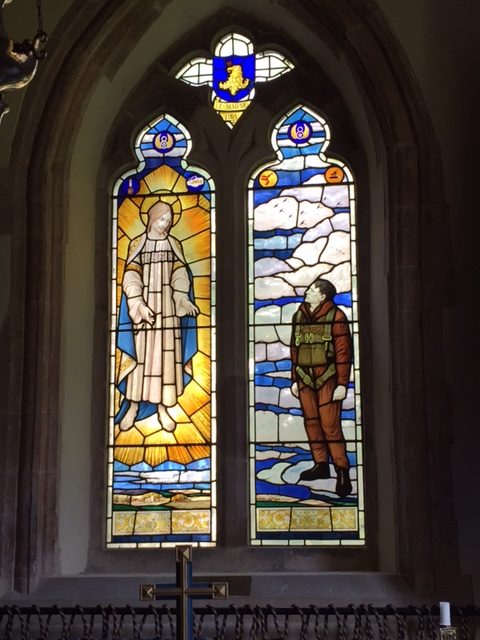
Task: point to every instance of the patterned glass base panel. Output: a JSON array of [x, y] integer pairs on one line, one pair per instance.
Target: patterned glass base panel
[[161, 466], [306, 465]]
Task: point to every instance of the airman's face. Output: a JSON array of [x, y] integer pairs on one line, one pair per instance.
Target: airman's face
[[313, 296]]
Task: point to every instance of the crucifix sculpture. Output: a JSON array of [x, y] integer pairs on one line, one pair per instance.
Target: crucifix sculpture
[[184, 591]]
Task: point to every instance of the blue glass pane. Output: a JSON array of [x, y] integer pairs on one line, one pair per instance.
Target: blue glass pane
[[303, 387]]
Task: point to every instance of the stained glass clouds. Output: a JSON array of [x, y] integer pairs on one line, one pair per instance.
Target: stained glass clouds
[[232, 73], [161, 449], [305, 412]]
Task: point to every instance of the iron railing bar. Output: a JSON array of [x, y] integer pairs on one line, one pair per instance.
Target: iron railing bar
[[405, 611]]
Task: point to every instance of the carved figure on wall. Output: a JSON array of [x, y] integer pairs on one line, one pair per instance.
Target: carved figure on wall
[[18, 60]]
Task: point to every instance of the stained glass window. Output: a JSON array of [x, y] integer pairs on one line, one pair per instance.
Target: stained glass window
[[161, 448], [232, 73], [306, 464]]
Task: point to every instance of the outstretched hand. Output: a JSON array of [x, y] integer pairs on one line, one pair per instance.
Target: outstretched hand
[[190, 308], [146, 314]]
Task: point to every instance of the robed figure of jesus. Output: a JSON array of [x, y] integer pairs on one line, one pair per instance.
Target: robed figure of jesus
[[157, 333]]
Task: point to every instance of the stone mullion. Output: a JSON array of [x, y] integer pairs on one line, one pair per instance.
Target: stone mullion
[[232, 347]]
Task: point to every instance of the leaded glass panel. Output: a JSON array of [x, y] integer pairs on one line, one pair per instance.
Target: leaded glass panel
[[161, 460], [233, 72], [306, 465]]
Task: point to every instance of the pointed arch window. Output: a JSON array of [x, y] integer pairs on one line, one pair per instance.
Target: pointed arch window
[[162, 434], [306, 463], [303, 422]]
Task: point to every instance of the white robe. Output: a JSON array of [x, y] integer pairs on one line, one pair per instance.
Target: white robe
[[155, 274]]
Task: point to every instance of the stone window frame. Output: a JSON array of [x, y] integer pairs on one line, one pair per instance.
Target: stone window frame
[[415, 215]]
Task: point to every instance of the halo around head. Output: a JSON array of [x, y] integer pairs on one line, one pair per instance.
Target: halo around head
[[150, 201]]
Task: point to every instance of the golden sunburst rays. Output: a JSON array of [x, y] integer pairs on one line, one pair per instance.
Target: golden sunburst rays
[[122, 245], [191, 214], [202, 288], [148, 442], [191, 440], [129, 220], [194, 219], [204, 306], [204, 341], [127, 447], [202, 372], [197, 248], [156, 455], [202, 420], [165, 178], [195, 399]]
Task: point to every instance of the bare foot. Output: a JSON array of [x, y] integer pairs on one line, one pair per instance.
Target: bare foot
[[165, 420], [128, 419]]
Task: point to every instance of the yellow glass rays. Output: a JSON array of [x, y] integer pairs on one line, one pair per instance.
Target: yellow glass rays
[[162, 482]]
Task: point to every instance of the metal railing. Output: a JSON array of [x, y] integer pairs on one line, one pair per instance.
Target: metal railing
[[362, 622]]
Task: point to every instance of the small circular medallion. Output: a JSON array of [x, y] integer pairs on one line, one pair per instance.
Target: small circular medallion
[[334, 175], [267, 179], [195, 182], [300, 132], [164, 142], [130, 187]]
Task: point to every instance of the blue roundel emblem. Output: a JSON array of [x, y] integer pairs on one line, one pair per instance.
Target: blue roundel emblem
[[130, 187], [164, 142], [300, 132], [195, 182]]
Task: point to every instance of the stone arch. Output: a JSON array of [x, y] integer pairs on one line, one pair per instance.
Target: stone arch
[[85, 48]]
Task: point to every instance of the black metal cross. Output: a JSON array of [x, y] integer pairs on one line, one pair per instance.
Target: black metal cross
[[184, 591]]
